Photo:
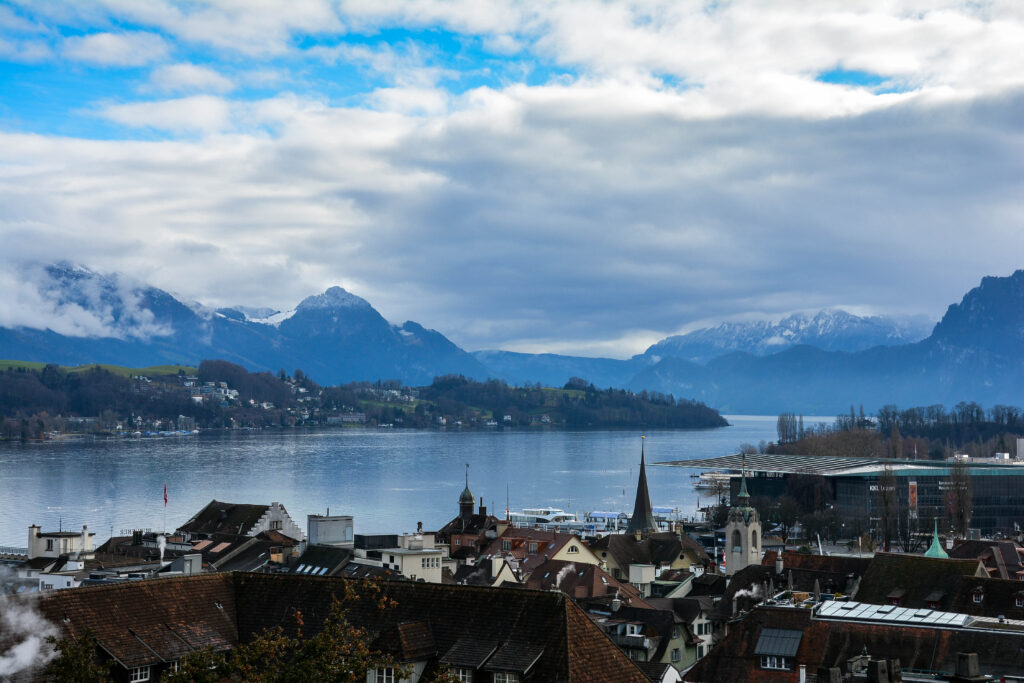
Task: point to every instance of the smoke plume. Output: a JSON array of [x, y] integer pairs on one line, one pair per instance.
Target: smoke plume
[[23, 631]]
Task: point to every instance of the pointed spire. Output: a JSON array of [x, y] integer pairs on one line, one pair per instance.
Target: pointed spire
[[643, 516], [467, 500], [935, 549], [743, 496]]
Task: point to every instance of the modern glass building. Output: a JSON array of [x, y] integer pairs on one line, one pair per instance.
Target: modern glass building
[[922, 487]]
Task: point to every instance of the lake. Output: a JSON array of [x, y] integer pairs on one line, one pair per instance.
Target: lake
[[387, 479]]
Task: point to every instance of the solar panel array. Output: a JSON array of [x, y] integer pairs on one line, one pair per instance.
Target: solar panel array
[[812, 464], [862, 611]]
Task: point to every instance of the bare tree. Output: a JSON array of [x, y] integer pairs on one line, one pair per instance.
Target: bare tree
[[959, 498], [886, 502]]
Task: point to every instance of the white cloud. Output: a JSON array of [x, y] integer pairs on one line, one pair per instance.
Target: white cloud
[[189, 78], [25, 50], [690, 166], [133, 48], [198, 113]]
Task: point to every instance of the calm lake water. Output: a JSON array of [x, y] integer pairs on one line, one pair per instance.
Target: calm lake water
[[388, 479]]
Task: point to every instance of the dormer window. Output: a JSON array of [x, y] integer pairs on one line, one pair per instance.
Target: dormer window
[[533, 547], [1019, 601], [977, 595], [506, 545]]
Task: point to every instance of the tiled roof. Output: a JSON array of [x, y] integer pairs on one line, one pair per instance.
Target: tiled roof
[[660, 548], [132, 621], [323, 560], [539, 632], [916, 574], [231, 518], [579, 581], [838, 564]]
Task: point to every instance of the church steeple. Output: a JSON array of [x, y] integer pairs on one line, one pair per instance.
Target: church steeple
[[467, 501], [935, 550], [743, 497], [643, 517], [742, 530]]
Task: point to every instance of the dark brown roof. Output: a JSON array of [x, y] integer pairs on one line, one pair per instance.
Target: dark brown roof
[[917, 574], [541, 634], [230, 518], [134, 620], [839, 564], [832, 643], [579, 581], [660, 548]]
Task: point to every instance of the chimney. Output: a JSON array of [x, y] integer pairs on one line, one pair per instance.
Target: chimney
[[735, 606], [483, 509], [803, 673], [778, 563], [419, 527], [616, 604]]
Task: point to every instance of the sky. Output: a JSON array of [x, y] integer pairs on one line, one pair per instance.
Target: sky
[[571, 177]]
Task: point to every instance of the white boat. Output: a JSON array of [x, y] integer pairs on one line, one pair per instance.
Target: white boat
[[713, 481], [542, 517]]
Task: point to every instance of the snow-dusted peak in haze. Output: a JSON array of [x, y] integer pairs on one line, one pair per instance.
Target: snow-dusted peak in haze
[[335, 297], [830, 330]]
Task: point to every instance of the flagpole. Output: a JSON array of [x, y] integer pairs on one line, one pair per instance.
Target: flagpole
[[164, 530]]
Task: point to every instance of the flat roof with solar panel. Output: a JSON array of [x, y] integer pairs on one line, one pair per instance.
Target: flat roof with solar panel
[[827, 465], [862, 611]]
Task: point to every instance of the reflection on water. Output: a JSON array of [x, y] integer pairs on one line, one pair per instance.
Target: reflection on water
[[389, 480]]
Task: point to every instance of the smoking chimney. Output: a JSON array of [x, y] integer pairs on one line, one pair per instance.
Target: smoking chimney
[[778, 563]]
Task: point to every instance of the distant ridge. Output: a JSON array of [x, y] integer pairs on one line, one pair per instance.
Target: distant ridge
[[973, 353]]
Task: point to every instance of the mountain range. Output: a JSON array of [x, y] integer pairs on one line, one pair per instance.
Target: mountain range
[[818, 364]]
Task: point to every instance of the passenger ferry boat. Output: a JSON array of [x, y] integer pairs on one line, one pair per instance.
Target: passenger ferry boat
[[542, 517]]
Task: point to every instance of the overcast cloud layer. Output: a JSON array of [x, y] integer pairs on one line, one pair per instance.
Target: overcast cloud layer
[[569, 176]]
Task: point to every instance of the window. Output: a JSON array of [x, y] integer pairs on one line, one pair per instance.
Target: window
[[49, 544], [275, 524], [506, 545], [774, 662], [676, 654], [504, 677], [978, 595], [573, 549], [1019, 601], [458, 540], [385, 675], [139, 673], [700, 651], [174, 666], [675, 632], [533, 547], [463, 675]]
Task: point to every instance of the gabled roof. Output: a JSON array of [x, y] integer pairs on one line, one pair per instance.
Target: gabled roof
[[659, 548], [829, 643], [475, 524], [323, 560], [145, 622], [548, 543], [540, 632], [916, 574], [231, 518], [837, 564], [579, 581]]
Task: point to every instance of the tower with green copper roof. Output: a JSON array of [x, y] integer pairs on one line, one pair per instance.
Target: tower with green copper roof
[[742, 531], [467, 501]]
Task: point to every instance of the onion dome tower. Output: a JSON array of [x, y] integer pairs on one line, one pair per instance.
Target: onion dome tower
[[466, 501]]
